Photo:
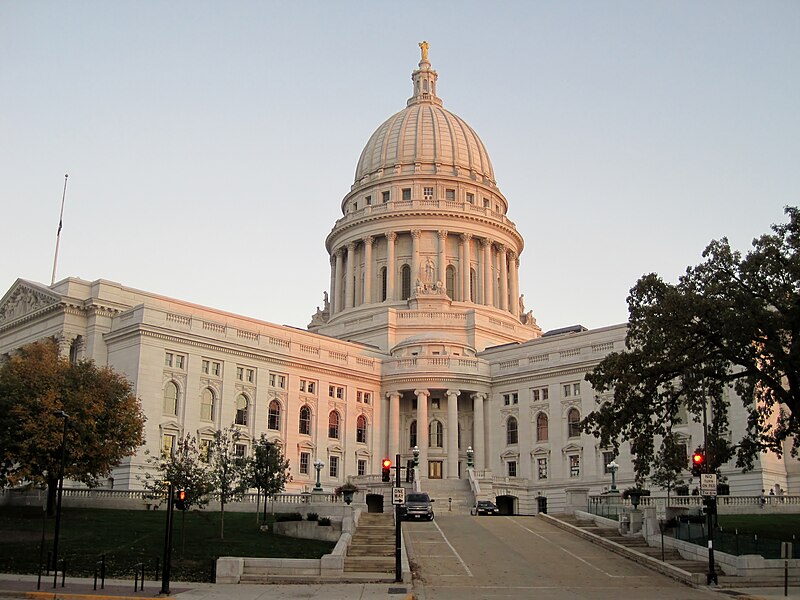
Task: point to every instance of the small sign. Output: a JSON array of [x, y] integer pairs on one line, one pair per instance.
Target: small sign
[[708, 484], [398, 495], [661, 509]]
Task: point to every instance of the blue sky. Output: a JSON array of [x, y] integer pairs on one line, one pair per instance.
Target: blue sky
[[209, 144]]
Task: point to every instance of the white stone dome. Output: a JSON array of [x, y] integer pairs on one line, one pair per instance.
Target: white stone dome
[[425, 138]]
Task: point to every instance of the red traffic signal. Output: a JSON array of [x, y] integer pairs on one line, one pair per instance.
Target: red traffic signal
[[386, 470], [698, 462], [180, 500]]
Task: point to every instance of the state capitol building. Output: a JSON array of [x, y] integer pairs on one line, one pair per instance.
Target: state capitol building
[[423, 340]]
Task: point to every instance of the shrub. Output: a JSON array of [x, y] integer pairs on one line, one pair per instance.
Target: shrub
[[312, 516], [281, 517], [324, 521]]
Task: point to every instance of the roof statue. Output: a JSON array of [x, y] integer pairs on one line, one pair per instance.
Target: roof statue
[[424, 47]]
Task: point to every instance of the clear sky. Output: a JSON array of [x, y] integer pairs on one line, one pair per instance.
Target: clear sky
[[209, 144]]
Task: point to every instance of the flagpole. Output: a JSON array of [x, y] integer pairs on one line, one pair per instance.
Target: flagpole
[[58, 235]]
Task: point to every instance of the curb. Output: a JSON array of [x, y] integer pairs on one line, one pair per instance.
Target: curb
[[66, 596]]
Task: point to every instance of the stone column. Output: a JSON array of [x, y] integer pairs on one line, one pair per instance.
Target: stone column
[[368, 269], [332, 298], [502, 257], [512, 283], [394, 423], [452, 434], [459, 279], [442, 267], [423, 440], [415, 233], [478, 435], [488, 283], [391, 237], [350, 276], [466, 237], [338, 298]]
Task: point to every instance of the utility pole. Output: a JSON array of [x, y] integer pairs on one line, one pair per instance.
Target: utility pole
[[398, 564], [167, 543], [711, 500]]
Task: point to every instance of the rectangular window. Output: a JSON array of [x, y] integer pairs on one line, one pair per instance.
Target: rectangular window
[[470, 198], [486, 203], [574, 465], [510, 398], [435, 404], [362, 467], [367, 397], [541, 465], [205, 450], [369, 200], [336, 391], [216, 369], [512, 468], [450, 195], [406, 193], [277, 380], [250, 375], [240, 450], [168, 358], [539, 394], [576, 389], [240, 373], [355, 206], [305, 460], [309, 386], [167, 444], [333, 467], [427, 193], [179, 361], [567, 390], [608, 458], [385, 197], [205, 367]]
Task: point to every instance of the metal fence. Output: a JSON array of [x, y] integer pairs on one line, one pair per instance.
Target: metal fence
[[735, 543]]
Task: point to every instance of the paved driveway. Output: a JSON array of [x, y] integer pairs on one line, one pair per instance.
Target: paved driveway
[[463, 557]]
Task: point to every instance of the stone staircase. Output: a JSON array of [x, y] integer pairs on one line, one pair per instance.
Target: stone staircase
[[372, 548], [696, 570], [441, 490]]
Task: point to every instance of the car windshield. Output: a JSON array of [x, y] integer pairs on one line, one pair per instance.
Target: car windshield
[[485, 504], [417, 498]]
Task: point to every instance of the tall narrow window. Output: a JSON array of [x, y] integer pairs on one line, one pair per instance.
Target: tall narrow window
[[436, 434], [361, 429], [241, 409], [333, 425], [542, 432], [473, 284], [450, 281], [573, 423], [171, 398], [412, 434], [207, 405], [305, 420], [274, 416], [512, 431], [405, 278], [384, 286], [305, 460]]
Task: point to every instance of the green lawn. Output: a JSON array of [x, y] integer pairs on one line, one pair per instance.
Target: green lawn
[[779, 527], [128, 537]]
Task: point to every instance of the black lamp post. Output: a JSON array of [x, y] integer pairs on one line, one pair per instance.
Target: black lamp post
[[61, 414]]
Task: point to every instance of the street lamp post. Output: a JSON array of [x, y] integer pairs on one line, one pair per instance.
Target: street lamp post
[[318, 464], [470, 457], [710, 501], [613, 467], [61, 414]]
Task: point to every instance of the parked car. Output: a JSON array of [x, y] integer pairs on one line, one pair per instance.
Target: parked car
[[485, 507], [417, 506]]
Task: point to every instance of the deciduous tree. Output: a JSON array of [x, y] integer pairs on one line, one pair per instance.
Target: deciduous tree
[[227, 470], [106, 422], [267, 470], [729, 327]]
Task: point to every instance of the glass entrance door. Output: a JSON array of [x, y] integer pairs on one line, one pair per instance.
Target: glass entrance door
[[434, 469]]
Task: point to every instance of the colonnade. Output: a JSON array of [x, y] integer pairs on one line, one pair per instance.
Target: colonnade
[[496, 271], [397, 445]]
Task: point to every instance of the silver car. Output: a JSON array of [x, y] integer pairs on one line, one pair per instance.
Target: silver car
[[418, 506]]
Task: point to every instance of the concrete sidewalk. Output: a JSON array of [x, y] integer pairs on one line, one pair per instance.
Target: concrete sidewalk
[[76, 588]]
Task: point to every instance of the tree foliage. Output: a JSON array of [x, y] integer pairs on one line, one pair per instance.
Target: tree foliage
[[185, 468], [106, 421], [267, 469], [730, 324], [227, 470]]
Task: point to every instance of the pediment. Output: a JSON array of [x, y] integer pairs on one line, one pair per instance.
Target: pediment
[[25, 298]]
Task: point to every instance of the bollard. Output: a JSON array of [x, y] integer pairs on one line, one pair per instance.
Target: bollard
[[158, 564]]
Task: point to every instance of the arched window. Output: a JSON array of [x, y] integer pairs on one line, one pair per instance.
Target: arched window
[[412, 437], [305, 420], [512, 433], [384, 284], [435, 434], [242, 404], [542, 432], [171, 398], [207, 405], [333, 425], [573, 423], [274, 416], [473, 284], [405, 282], [450, 281], [361, 429]]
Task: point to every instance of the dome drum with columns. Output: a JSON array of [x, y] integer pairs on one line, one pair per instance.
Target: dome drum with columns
[[424, 242]]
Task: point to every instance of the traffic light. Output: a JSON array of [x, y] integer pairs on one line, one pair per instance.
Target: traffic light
[[386, 470], [180, 500], [698, 463]]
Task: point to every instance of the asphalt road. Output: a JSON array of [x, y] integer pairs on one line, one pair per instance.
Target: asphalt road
[[462, 557]]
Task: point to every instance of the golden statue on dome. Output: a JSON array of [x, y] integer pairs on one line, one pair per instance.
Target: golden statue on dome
[[424, 47]]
